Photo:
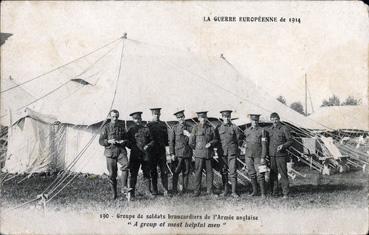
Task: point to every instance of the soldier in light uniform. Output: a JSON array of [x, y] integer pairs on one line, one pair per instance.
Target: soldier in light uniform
[[114, 138], [180, 150], [202, 140], [159, 133], [256, 147], [279, 141], [229, 136], [140, 142]]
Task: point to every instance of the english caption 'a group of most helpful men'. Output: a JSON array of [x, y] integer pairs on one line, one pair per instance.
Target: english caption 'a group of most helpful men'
[[148, 142]]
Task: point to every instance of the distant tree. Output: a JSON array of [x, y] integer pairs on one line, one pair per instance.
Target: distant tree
[[297, 106], [351, 101], [332, 101], [282, 100]]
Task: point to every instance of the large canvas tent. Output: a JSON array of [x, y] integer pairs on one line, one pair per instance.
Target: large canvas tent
[[127, 75]]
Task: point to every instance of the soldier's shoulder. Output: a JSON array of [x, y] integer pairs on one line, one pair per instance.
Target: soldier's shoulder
[[285, 127], [120, 123]]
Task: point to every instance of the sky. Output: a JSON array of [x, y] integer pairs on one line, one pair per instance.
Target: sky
[[330, 45]]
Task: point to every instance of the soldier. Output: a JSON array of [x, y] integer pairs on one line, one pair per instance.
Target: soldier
[[229, 136], [180, 151], [114, 137], [279, 140], [202, 140], [159, 133], [139, 141], [256, 148]]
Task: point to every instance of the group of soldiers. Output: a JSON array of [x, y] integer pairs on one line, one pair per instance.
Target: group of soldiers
[[147, 143]]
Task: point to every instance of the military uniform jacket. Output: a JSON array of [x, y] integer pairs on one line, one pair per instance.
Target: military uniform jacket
[[178, 142], [255, 139], [279, 135], [139, 136], [229, 136], [159, 133], [200, 136], [115, 131]]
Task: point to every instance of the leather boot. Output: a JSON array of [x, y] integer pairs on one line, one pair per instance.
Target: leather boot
[[154, 186], [234, 189], [185, 183], [125, 189], [226, 190], [113, 187], [132, 184], [254, 185], [147, 192], [262, 188], [164, 181], [175, 183]]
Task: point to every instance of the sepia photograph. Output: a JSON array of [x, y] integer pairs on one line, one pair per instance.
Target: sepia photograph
[[184, 117]]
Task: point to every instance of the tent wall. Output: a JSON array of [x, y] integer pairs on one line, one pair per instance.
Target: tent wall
[[35, 146]]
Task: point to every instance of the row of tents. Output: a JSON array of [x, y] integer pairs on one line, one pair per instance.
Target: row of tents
[[50, 127]]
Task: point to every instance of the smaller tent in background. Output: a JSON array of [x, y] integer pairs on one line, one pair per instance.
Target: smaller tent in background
[[38, 143], [350, 117]]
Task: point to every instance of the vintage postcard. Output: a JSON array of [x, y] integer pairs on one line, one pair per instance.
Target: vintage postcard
[[184, 117]]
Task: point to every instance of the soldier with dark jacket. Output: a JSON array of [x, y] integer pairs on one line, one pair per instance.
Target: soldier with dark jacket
[[279, 141], [230, 138], [140, 142], [159, 133], [180, 150], [202, 140], [114, 138], [256, 149]]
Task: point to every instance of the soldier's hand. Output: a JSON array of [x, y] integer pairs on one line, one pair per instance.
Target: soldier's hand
[[173, 157], [279, 148], [146, 147], [207, 145], [186, 133], [112, 141], [262, 161]]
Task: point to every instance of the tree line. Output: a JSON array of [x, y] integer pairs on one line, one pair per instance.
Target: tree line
[[331, 101]]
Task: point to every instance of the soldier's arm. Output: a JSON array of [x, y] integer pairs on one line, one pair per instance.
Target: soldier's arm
[[103, 140], [129, 137], [240, 136], [288, 136], [192, 139], [264, 145], [171, 138], [166, 137], [215, 139], [151, 141]]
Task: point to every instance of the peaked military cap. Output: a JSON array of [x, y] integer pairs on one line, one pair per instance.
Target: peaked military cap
[[179, 113], [155, 110], [254, 117], [226, 113], [135, 114], [202, 113]]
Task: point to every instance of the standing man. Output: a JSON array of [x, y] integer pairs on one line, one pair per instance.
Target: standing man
[[159, 133], [279, 141], [256, 147], [229, 136], [140, 142], [114, 138], [202, 140], [180, 150]]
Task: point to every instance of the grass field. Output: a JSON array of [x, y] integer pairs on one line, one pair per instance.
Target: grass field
[[90, 194]]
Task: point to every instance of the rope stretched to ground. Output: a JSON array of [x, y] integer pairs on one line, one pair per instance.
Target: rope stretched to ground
[[111, 106], [79, 155]]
